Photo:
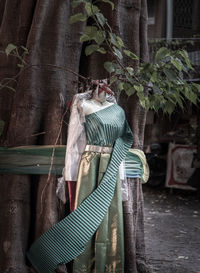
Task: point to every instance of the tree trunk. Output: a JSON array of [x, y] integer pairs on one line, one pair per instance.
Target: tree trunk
[[133, 18], [40, 100]]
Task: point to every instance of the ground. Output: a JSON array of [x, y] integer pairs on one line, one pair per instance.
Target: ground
[[172, 230]]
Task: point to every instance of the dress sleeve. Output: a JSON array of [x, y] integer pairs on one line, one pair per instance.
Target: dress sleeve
[[76, 142]]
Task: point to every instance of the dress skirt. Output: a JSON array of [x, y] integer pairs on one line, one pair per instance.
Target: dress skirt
[[105, 251]]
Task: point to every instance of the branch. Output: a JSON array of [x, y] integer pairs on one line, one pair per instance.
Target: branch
[[42, 65], [52, 157]]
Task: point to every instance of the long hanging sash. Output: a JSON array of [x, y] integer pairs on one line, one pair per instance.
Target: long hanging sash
[[68, 238]]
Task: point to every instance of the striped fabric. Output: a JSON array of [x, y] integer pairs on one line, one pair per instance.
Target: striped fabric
[[67, 239], [136, 165], [33, 159], [133, 166]]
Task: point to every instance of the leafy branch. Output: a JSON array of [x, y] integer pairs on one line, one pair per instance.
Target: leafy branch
[[158, 85], [19, 53]]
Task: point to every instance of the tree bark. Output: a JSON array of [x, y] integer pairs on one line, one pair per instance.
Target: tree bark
[[133, 18], [40, 100]]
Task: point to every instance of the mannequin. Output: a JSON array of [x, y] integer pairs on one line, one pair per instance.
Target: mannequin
[[96, 103], [99, 139]]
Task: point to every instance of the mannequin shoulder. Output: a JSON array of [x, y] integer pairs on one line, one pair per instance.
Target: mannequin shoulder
[[89, 106]]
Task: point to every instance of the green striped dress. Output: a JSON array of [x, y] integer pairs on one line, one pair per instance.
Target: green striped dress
[[80, 235]]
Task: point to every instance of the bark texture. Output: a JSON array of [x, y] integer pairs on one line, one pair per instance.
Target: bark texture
[[133, 18], [133, 209], [38, 104], [28, 205]]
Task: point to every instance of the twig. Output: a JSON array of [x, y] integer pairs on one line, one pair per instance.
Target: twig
[[42, 133], [65, 123], [43, 65], [52, 157], [62, 68]]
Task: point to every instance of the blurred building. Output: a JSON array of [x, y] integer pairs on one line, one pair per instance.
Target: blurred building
[[174, 24], [174, 18]]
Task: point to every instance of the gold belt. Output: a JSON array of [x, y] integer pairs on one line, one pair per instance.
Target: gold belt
[[98, 149]]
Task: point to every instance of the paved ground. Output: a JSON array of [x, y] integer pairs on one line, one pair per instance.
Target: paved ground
[[172, 230]]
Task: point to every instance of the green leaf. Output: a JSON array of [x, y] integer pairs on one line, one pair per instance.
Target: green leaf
[[84, 38], [102, 50], [161, 53], [179, 100], [170, 74], [109, 66], [91, 31], [139, 88], [77, 17], [171, 98], [116, 40], [130, 91], [101, 19], [120, 42], [193, 97], [119, 71], [129, 78], [117, 53], [130, 70], [147, 103], [155, 102], [24, 48], [109, 2], [99, 37], [2, 124], [127, 86], [91, 9], [190, 95], [113, 38], [10, 48], [156, 89], [131, 54], [147, 67], [184, 54], [169, 107], [20, 65], [143, 103], [121, 86], [177, 63], [90, 49], [113, 79], [196, 86], [154, 77]]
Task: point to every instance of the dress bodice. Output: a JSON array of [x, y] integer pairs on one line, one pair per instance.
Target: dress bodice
[[104, 126]]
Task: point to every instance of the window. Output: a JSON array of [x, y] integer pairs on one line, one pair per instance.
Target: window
[[151, 12]]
